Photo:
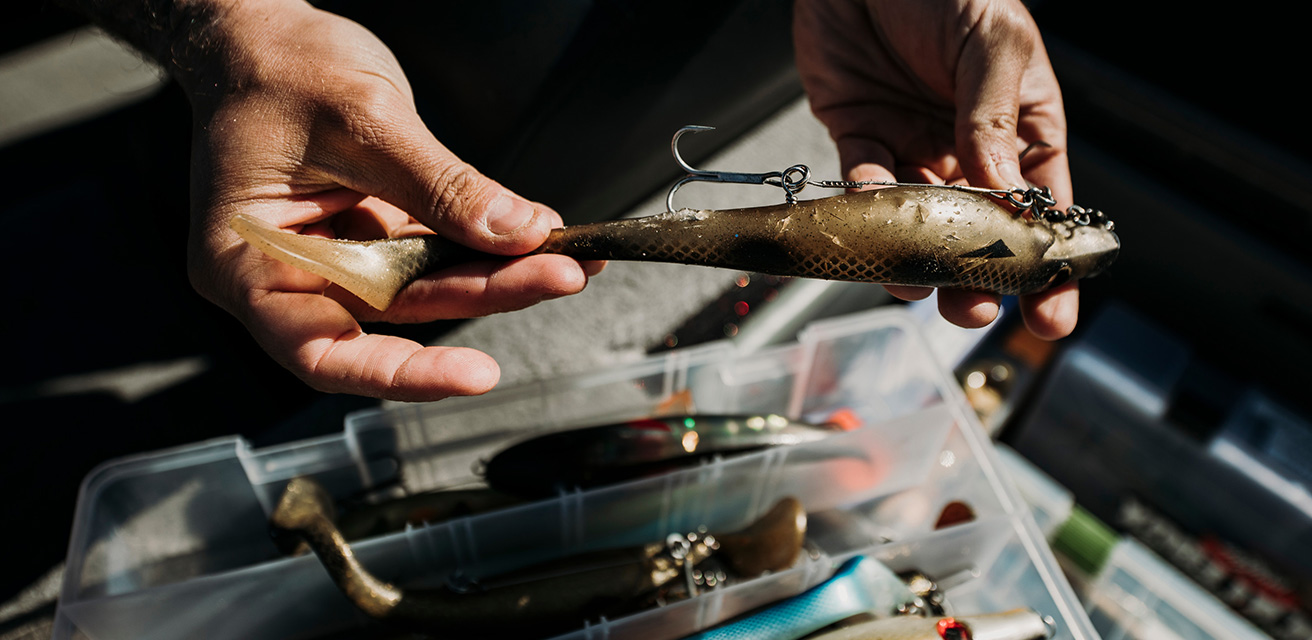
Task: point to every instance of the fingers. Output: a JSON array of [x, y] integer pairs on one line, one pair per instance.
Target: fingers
[[466, 291], [908, 293], [969, 309], [477, 289], [1006, 92], [1043, 119], [990, 71], [1052, 314], [319, 341], [386, 150], [592, 267], [865, 160]]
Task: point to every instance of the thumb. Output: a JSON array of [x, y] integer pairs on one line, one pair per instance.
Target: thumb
[[402, 163], [989, 74]]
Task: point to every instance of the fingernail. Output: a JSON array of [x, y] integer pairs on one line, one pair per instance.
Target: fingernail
[[508, 214], [868, 172], [1010, 173]]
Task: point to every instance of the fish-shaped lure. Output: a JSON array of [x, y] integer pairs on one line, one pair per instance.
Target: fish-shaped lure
[[549, 464], [926, 235], [545, 599]]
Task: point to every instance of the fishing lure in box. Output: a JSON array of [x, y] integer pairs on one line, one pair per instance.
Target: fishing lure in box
[[1001, 241], [864, 600], [554, 596], [593, 456]]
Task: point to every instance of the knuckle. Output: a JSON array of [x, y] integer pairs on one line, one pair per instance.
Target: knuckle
[[1002, 123], [1014, 26], [364, 113], [315, 370], [455, 186], [989, 129]]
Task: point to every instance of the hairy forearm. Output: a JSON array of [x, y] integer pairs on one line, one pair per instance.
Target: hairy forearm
[[177, 34]]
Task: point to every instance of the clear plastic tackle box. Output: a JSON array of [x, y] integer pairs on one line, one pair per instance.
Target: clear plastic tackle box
[[175, 544]]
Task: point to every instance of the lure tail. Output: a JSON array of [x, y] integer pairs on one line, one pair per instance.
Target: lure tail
[[305, 509], [375, 271]]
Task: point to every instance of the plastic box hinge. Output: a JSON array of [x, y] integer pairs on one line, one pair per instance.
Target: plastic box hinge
[[572, 534], [709, 607], [598, 631], [765, 492]]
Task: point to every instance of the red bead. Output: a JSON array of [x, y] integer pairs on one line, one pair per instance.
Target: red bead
[[951, 629]]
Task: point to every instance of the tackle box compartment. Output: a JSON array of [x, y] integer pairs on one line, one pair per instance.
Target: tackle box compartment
[[1135, 595], [175, 543]]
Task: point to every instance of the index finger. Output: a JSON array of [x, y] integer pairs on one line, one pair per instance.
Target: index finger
[[994, 58], [319, 341]]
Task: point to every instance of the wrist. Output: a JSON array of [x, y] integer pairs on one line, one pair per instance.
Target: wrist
[[224, 44], [205, 45]]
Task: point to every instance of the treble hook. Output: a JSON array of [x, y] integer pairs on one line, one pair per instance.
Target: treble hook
[[791, 180]]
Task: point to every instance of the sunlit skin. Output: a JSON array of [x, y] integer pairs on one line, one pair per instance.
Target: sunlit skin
[[941, 91]]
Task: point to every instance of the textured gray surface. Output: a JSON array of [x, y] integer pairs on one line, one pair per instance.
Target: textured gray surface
[[68, 78]]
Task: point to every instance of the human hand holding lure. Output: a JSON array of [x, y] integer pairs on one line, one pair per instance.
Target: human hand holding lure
[[304, 119], [942, 91]]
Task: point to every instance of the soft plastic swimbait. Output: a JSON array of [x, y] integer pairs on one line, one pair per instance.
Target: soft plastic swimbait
[[926, 235], [548, 598], [592, 456]]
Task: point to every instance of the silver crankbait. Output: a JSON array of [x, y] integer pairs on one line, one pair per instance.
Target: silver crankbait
[[926, 235]]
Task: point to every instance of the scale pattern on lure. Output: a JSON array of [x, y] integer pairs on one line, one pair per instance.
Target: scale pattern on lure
[[925, 235]]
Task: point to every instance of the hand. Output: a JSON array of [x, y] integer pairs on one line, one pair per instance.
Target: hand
[[305, 119], [936, 91]]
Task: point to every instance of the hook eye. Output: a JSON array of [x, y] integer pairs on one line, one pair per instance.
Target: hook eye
[[1025, 201], [794, 178]]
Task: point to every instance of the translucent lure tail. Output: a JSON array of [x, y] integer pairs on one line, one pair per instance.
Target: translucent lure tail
[[375, 271]]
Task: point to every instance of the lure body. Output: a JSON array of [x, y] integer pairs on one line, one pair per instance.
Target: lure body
[[593, 456], [548, 598], [909, 235], [370, 520]]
